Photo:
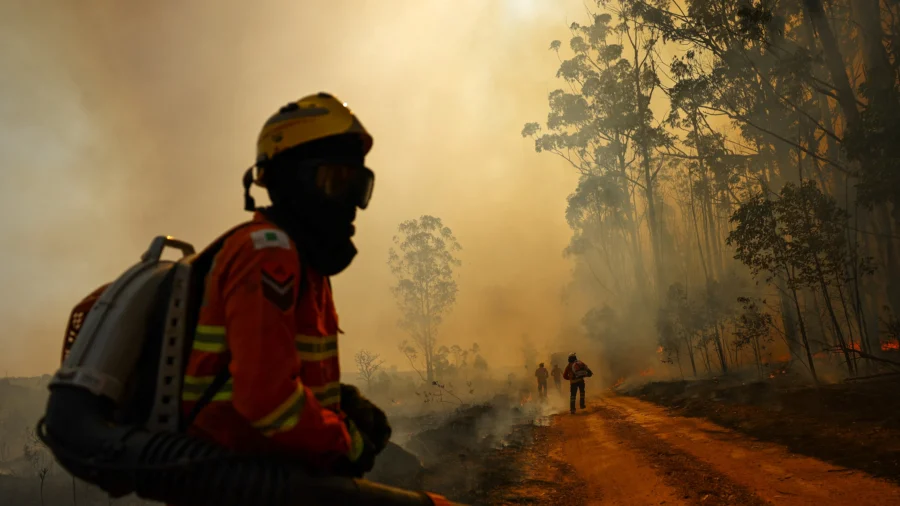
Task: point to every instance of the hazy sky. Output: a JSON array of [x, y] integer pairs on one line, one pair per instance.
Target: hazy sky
[[123, 120]]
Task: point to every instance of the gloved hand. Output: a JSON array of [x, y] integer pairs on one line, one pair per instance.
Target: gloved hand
[[367, 417], [361, 458]]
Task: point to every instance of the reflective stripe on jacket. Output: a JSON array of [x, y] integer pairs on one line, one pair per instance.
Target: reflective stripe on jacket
[[284, 391]]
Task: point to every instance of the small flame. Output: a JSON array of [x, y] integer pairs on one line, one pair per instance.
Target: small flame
[[776, 372], [836, 350], [890, 345], [648, 372], [659, 350], [618, 382]]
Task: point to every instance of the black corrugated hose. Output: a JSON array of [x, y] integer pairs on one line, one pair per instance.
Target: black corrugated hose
[[179, 469]]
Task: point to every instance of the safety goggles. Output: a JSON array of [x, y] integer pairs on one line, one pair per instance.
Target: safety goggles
[[345, 181], [351, 183]]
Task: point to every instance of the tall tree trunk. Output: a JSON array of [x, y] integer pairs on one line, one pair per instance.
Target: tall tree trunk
[[889, 255], [705, 350], [653, 223], [834, 62], [817, 326], [846, 311], [712, 245], [880, 78], [719, 349], [789, 318], [803, 336], [690, 348], [678, 359], [642, 139], [697, 227], [839, 334], [757, 354], [429, 357], [856, 214], [629, 226], [638, 258]]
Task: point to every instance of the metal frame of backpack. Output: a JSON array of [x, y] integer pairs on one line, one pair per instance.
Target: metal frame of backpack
[[165, 410]]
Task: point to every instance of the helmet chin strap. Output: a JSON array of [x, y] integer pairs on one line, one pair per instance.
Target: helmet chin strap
[[249, 202]]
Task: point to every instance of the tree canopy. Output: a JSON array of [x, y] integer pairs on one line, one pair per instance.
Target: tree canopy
[[423, 262]]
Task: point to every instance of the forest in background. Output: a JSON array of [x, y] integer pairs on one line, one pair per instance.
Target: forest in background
[[739, 184], [737, 208]]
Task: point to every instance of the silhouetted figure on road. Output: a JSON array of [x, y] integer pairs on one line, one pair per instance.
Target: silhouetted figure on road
[[576, 371], [557, 373], [541, 374]]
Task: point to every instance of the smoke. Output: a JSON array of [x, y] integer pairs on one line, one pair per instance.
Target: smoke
[[122, 121]]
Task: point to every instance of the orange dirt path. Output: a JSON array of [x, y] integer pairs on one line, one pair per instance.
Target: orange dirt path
[[623, 451]]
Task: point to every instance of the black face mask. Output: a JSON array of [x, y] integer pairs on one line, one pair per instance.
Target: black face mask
[[322, 227], [315, 191]]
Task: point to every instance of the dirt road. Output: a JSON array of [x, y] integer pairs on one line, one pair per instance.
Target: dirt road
[[622, 451]]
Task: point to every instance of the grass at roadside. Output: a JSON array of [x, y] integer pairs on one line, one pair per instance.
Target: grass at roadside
[[854, 425]]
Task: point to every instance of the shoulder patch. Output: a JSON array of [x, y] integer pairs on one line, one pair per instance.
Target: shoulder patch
[[270, 238]]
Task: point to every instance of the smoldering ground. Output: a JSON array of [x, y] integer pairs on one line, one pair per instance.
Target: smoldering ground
[[456, 451], [448, 447]]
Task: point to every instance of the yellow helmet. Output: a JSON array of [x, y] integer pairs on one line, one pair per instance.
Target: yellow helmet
[[311, 118]]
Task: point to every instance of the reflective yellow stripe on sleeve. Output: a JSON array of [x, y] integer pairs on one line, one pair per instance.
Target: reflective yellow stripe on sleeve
[[210, 339], [284, 417], [328, 394], [357, 444], [316, 348], [194, 386]]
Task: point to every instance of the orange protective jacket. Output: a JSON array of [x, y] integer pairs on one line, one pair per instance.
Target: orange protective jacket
[[569, 373], [277, 331]]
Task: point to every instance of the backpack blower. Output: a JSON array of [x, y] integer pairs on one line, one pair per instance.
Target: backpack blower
[[114, 419]]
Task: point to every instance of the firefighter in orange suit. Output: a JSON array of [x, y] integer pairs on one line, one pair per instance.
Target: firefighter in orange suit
[[576, 371], [268, 322]]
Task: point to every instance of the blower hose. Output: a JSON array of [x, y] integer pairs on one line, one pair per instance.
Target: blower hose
[[176, 468]]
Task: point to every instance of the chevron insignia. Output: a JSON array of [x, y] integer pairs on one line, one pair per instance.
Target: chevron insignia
[[280, 293]]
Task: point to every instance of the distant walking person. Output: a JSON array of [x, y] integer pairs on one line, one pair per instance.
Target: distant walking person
[[556, 372], [575, 372], [541, 374]]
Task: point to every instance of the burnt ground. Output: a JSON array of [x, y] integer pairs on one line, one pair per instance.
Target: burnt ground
[[854, 425], [696, 443], [465, 455], [699, 443], [530, 475]]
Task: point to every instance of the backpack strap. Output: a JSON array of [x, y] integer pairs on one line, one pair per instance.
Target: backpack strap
[[218, 382], [223, 376], [204, 263]]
